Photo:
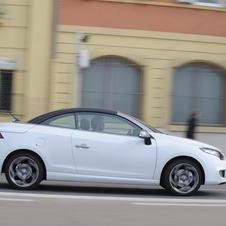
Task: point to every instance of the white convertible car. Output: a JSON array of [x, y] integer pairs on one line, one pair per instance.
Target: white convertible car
[[105, 148]]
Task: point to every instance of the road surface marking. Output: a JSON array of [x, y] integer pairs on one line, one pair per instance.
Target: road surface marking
[[116, 198], [17, 200], [212, 189], [179, 204]]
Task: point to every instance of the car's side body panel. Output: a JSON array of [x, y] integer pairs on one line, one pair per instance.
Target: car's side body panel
[[113, 156]]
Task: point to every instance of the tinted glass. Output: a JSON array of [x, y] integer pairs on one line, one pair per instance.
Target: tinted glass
[[209, 1], [105, 123], [64, 121]]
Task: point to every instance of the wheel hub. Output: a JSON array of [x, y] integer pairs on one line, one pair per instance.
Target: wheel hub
[[184, 178], [23, 171]]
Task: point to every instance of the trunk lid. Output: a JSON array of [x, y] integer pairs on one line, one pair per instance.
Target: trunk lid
[[15, 127]]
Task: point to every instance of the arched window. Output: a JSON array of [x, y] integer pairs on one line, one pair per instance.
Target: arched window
[[199, 87], [111, 83]]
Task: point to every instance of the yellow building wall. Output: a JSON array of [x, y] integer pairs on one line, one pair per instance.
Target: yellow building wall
[[43, 82], [26, 35], [13, 31], [39, 50], [157, 53]]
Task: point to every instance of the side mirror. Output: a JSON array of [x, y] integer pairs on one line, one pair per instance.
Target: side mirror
[[146, 136]]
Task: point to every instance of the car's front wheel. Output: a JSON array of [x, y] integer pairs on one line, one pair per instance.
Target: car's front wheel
[[24, 171], [182, 177]]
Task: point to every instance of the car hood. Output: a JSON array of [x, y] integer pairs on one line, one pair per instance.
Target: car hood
[[180, 140], [15, 127]]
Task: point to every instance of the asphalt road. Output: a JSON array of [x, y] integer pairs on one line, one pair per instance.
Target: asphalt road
[[64, 204]]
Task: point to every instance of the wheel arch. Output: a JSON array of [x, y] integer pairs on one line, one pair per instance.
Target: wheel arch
[[185, 158], [25, 151]]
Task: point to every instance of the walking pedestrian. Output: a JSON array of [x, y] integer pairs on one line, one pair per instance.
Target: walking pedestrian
[[191, 125]]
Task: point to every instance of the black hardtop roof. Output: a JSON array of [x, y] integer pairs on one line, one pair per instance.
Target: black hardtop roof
[[44, 117]]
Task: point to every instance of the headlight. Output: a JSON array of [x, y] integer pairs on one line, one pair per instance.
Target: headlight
[[214, 152]]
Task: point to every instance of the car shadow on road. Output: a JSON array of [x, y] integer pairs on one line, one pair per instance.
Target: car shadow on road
[[75, 190], [157, 191], [72, 188]]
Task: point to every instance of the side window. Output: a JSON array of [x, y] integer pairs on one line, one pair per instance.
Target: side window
[[64, 121], [105, 123]]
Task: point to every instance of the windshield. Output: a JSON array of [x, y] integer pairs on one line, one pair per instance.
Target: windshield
[[147, 125], [150, 127]]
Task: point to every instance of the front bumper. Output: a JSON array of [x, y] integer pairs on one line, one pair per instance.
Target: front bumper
[[215, 172]]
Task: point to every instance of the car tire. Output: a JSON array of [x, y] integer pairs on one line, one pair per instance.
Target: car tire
[[24, 171], [182, 177]]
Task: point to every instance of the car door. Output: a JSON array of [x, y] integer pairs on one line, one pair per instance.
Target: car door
[[106, 145], [53, 138]]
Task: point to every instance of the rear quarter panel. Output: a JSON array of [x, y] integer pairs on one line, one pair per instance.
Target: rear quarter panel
[[52, 144]]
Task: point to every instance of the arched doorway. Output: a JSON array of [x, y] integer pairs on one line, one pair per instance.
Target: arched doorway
[[112, 83], [199, 87]]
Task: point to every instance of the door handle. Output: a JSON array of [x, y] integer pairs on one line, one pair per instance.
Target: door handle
[[82, 146]]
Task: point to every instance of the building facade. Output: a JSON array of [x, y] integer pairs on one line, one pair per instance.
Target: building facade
[[25, 50], [157, 60]]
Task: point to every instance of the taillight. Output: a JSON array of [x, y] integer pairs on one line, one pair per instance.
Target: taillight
[[1, 137]]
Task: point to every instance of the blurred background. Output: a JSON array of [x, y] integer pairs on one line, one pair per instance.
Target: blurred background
[[157, 60]]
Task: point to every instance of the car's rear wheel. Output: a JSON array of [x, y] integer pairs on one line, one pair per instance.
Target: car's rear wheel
[[182, 177], [24, 171]]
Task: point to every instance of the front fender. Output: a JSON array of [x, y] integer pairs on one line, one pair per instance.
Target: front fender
[[162, 161]]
